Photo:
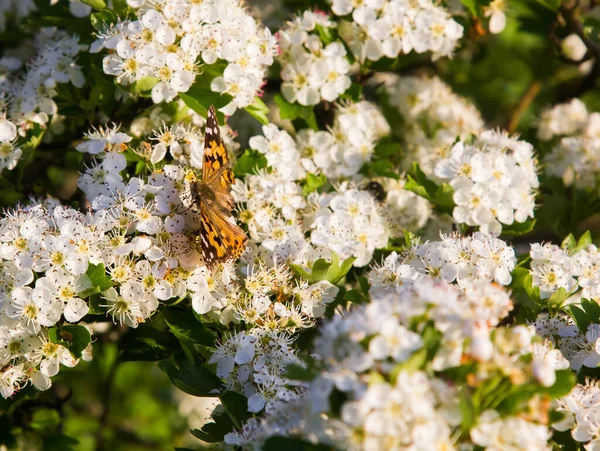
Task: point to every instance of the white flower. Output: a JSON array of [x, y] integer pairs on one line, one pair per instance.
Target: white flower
[[35, 307], [495, 11]]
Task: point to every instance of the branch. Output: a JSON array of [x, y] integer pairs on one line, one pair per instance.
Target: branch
[[523, 105]]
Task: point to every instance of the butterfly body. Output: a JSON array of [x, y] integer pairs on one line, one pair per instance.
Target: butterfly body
[[221, 239]]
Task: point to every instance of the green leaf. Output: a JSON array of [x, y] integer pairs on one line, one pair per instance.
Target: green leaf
[[96, 4], [326, 34], [565, 381], [581, 318], [200, 97], [313, 182], [99, 280], [147, 344], [120, 7], [592, 309], [380, 168], [386, 149], [584, 241], [557, 298], [293, 111], [299, 373], [300, 271], [186, 327], [215, 431], [74, 338], [519, 228], [471, 6], [44, 418], [325, 270], [236, 406], [412, 364], [192, 378], [353, 93], [467, 409], [258, 110], [569, 243], [250, 161], [356, 297], [143, 85], [441, 196]]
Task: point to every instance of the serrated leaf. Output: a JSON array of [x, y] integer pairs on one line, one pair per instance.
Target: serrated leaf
[[185, 326], [236, 406], [74, 338], [192, 378], [215, 431], [441, 196], [147, 344], [250, 161], [519, 228], [581, 318], [199, 97], [258, 110], [592, 309], [293, 111], [99, 280]]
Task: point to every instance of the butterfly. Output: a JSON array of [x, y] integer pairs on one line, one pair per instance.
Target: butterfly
[[220, 238]]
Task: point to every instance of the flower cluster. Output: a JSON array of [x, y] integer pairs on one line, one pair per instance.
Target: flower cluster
[[433, 117], [467, 261], [364, 396], [311, 71], [580, 409], [554, 268], [350, 224], [29, 99], [404, 210], [566, 344], [45, 253], [494, 179], [575, 135], [388, 28], [154, 221], [253, 363], [169, 42], [279, 214]]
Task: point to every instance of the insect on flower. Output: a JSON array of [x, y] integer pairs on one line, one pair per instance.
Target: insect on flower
[[220, 237]]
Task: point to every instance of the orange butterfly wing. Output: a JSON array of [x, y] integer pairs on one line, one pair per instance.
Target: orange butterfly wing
[[221, 239]]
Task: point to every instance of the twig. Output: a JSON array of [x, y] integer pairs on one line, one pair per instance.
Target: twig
[[523, 105]]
